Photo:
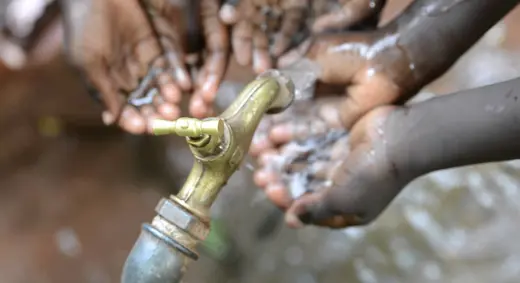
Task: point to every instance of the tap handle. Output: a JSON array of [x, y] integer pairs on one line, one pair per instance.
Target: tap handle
[[189, 127]]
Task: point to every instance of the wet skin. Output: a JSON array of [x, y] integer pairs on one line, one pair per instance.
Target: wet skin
[[349, 13], [116, 43], [391, 146], [384, 67], [262, 30]]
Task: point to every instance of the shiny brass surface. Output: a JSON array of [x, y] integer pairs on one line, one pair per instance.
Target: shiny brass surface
[[269, 93], [219, 145]]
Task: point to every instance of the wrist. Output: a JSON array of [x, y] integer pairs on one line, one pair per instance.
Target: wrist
[[402, 144]]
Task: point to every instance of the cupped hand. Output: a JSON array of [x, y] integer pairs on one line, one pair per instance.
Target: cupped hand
[[323, 175], [373, 68], [262, 30]]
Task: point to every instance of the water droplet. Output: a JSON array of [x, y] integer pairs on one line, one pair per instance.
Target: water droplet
[[412, 66], [372, 4]]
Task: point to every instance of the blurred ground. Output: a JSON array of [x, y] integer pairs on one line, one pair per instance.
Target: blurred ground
[[73, 196]]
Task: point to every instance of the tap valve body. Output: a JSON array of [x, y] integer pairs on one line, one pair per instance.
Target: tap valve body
[[167, 245]]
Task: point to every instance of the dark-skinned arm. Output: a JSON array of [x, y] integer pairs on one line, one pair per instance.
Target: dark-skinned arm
[[470, 127], [433, 34]]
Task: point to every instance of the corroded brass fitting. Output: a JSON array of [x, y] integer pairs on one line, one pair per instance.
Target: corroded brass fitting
[[219, 145]]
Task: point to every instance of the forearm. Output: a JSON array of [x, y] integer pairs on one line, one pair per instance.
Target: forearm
[[470, 127], [433, 34]]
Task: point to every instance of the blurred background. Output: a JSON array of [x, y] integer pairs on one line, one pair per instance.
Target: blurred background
[[74, 193]]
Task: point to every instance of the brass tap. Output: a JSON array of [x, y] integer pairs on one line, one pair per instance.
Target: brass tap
[[219, 145]]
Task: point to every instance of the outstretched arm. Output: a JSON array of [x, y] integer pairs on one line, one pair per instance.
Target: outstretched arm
[[433, 34], [394, 145], [473, 126]]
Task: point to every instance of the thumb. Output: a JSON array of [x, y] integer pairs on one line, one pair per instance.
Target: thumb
[[314, 209], [366, 94]]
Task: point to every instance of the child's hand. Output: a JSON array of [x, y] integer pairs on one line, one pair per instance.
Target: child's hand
[[320, 174]]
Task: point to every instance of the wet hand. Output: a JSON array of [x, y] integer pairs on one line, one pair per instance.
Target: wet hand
[[263, 29], [347, 13], [330, 180], [115, 47], [371, 66]]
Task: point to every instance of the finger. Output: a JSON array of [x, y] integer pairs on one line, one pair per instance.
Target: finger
[[279, 195], [149, 114], [242, 41], [292, 22], [267, 157], [110, 95], [365, 96], [166, 24], [134, 68], [166, 110], [169, 89], [174, 56], [294, 55], [297, 130], [217, 44], [259, 144], [147, 111], [132, 121], [263, 178], [122, 76], [144, 52], [260, 141], [261, 59], [352, 12], [198, 107], [318, 170]]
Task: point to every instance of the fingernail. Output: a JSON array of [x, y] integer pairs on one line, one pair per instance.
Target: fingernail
[[259, 62], [197, 107], [261, 178], [288, 59], [168, 111], [132, 121], [209, 88], [108, 118]]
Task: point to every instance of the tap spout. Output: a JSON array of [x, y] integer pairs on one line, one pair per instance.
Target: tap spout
[[218, 145]]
